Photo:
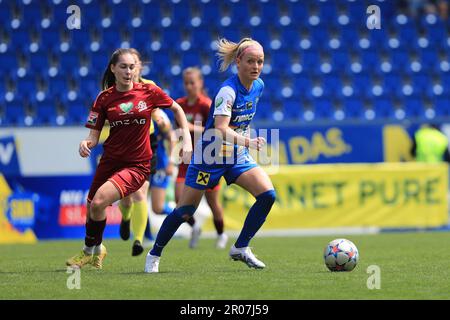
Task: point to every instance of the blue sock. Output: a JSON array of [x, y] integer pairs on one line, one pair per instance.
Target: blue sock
[[167, 208], [255, 218], [148, 231], [170, 225]]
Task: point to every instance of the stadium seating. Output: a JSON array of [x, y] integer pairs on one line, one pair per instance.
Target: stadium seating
[[319, 53]]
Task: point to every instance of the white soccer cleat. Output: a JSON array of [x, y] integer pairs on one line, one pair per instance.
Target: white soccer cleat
[[151, 264], [246, 255], [222, 241], [195, 236]]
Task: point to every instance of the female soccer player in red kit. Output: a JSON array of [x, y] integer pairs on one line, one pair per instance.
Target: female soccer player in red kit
[[196, 107], [125, 163]]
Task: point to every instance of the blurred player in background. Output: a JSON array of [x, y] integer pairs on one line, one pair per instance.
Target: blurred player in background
[[430, 145], [125, 163], [234, 108], [196, 106]]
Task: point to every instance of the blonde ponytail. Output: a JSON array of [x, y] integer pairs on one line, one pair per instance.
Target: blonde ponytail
[[228, 51]]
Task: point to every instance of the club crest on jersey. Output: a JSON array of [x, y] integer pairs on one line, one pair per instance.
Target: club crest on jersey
[[142, 106], [249, 105], [126, 107], [219, 102], [92, 118], [203, 178]]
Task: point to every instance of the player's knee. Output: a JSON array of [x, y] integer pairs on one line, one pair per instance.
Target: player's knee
[[126, 202], [157, 209], [139, 196], [185, 212], [268, 197], [98, 204]]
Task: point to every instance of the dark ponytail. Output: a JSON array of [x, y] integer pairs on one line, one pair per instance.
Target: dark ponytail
[[109, 79]]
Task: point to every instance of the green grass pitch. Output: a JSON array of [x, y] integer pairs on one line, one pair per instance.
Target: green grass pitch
[[412, 265]]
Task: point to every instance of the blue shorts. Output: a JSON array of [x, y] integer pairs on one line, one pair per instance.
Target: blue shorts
[[205, 176], [160, 179]]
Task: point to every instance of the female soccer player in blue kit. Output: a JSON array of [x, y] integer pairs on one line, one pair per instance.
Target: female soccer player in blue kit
[[233, 108]]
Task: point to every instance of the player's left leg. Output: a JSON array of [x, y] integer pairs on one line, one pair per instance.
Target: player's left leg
[[257, 182]]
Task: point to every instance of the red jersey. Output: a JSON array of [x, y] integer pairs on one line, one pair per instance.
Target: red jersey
[[129, 114], [197, 112]]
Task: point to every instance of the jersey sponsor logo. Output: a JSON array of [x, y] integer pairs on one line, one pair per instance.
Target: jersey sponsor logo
[[142, 106], [126, 107], [92, 118], [127, 122], [244, 117], [203, 178]]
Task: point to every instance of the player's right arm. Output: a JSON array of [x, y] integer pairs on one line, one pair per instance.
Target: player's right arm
[[222, 116], [90, 142], [95, 122]]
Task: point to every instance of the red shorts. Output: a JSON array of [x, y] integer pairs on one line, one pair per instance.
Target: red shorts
[[126, 177], [181, 177]]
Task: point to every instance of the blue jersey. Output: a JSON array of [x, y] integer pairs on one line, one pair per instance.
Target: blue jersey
[[233, 100], [207, 167]]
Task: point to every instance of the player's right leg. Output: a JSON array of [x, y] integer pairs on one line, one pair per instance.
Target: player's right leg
[[186, 208]]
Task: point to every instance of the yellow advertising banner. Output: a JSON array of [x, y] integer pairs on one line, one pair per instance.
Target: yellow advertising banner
[[386, 195], [8, 234]]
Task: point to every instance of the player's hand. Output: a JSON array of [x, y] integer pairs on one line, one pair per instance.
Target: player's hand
[[85, 148], [257, 143], [187, 154], [169, 169]]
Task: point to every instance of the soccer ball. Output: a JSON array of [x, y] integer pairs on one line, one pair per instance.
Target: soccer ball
[[341, 255]]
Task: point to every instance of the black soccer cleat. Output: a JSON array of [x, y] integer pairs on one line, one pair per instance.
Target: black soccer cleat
[[125, 229], [137, 248]]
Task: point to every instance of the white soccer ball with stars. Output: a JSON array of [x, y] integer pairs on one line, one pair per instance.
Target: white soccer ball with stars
[[341, 255]]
